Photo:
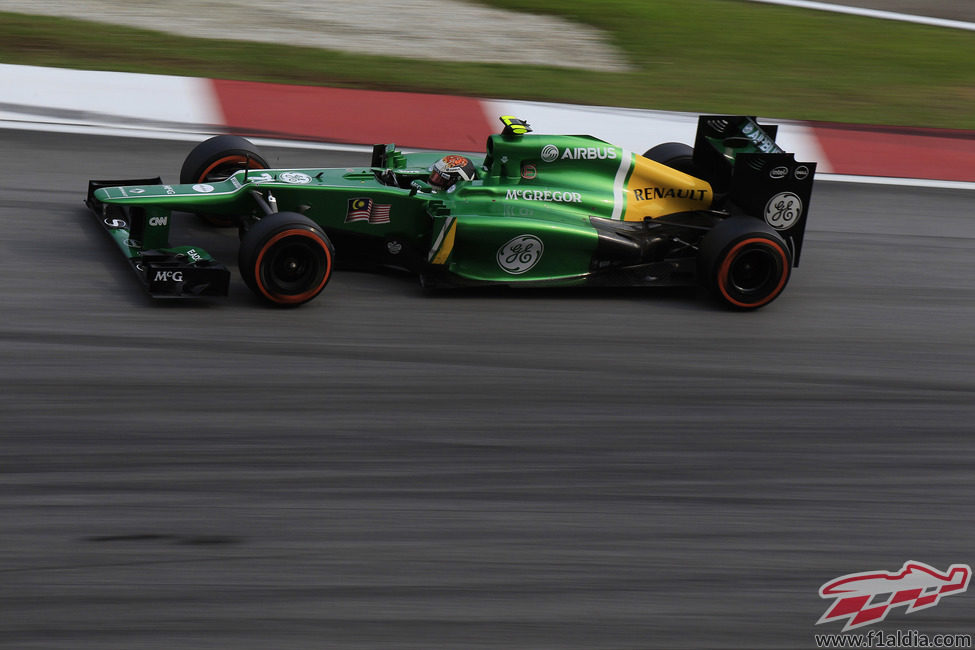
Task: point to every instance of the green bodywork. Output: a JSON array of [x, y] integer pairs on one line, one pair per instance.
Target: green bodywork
[[554, 204], [559, 209]]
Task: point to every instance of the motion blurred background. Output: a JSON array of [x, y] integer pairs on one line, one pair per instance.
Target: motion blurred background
[[393, 468], [697, 55]]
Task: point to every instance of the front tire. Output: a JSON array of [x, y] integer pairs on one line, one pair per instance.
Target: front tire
[[217, 159], [744, 263], [286, 259]]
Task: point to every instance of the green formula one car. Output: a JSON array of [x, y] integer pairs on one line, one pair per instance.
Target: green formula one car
[[728, 214]]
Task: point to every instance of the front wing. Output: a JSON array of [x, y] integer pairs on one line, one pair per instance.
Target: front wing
[[143, 237]]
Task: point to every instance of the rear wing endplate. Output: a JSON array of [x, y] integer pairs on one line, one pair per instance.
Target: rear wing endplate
[[743, 162]]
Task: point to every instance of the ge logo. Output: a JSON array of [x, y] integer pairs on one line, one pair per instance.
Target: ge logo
[[203, 188], [520, 254], [783, 210], [550, 152], [296, 178]]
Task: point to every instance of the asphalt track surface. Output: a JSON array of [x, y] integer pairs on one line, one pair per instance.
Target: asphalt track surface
[[391, 468]]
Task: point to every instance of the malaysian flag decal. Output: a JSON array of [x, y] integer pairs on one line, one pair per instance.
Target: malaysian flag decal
[[365, 209], [359, 210], [379, 214]]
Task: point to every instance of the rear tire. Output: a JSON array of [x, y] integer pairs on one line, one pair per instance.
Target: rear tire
[[216, 159], [286, 259], [680, 156], [675, 155], [744, 263]]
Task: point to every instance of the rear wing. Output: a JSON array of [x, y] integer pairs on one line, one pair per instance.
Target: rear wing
[[742, 161]]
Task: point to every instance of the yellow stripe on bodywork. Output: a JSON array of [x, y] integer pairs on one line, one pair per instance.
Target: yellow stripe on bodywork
[[447, 246]]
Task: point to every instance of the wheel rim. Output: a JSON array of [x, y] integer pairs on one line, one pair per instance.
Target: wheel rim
[[753, 272], [293, 267]]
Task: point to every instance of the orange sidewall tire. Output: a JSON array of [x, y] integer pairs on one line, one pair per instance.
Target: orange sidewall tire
[[729, 258], [227, 160], [305, 296]]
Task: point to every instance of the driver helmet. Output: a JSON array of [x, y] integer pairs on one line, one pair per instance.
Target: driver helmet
[[450, 169]]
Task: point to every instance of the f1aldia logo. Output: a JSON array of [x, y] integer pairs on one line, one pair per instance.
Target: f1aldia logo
[[866, 598]]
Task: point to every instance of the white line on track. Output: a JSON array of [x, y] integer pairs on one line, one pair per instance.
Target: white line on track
[[904, 182], [872, 13], [352, 148], [181, 136]]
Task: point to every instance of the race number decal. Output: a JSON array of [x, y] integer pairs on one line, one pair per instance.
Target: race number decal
[[520, 254], [783, 210]]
